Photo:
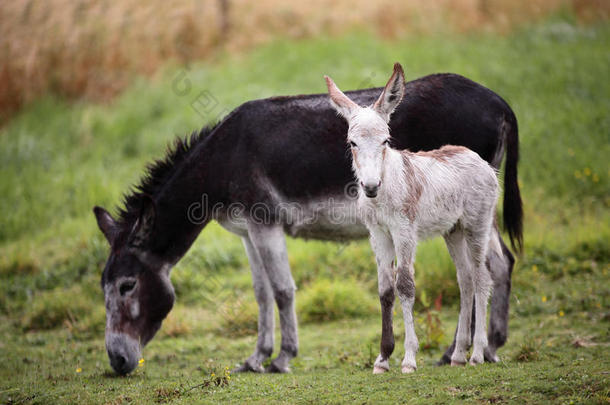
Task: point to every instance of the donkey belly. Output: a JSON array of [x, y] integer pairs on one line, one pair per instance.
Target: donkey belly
[[330, 219]]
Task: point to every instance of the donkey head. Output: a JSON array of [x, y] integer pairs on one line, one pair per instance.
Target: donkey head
[[368, 133], [137, 290]]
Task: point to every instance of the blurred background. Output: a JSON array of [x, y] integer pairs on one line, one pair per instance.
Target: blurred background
[[94, 48], [92, 90]]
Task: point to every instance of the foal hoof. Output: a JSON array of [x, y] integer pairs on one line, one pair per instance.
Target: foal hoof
[[408, 369], [455, 363], [273, 368], [247, 368], [379, 370]]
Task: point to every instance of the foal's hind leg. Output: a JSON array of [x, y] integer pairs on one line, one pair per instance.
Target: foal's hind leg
[[477, 242], [264, 298], [500, 267], [456, 243], [270, 244]]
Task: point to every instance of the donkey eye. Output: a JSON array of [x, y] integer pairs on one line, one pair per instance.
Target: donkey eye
[[386, 142], [353, 144], [126, 287]]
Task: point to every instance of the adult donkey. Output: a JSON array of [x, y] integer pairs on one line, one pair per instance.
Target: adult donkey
[[281, 166]]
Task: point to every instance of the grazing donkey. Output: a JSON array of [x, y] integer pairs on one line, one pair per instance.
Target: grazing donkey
[[264, 155], [408, 196]]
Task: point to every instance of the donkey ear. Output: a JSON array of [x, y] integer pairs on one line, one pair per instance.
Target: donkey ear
[[340, 101], [106, 223], [392, 94], [144, 224]]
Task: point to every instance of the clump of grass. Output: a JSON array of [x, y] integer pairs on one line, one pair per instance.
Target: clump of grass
[[327, 300], [429, 323], [528, 351], [238, 317], [176, 325], [71, 308]]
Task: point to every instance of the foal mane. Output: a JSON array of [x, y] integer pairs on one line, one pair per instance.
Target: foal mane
[[158, 172]]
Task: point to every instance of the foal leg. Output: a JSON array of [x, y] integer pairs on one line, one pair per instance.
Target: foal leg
[[477, 245], [500, 266], [383, 247], [405, 286], [456, 244], [266, 321], [270, 244]]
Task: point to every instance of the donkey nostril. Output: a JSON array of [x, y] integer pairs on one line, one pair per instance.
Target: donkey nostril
[[120, 361]]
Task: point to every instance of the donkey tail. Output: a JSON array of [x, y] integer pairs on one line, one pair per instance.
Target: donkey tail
[[513, 206]]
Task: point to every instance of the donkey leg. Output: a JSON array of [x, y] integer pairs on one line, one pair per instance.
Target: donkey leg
[[270, 244], [500, 266], [456, 244], [266, 321], [384, 253]]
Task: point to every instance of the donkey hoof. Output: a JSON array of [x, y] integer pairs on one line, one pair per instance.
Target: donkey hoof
[[475, 360], [491, 357], [248, 368], [408, 369], [379, 370], [455, 363], [443, 361], [273, 368]]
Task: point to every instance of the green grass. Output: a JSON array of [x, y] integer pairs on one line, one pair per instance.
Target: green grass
[[57, 160]]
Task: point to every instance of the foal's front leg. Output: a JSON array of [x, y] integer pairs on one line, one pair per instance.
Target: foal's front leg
[[405, 286], [382, 245]]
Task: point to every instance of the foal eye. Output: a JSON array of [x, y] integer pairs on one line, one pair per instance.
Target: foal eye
[[353, 144], [126, 287]]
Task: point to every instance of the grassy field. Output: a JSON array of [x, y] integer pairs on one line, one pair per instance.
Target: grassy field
[[57, 160]]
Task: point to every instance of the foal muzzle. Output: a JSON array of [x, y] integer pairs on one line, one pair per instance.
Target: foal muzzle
[[371, 190]]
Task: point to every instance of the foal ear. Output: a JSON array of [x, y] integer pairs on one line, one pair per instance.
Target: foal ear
[[340, 101], [106, 223], [392, 94], [144, 224]]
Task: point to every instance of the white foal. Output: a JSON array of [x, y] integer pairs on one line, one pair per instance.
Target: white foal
[[408, 196]]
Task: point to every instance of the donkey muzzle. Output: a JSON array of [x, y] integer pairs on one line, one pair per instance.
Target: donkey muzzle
[[123, 352]]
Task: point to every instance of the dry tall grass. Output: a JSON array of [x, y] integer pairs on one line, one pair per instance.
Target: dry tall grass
[[92, 48]]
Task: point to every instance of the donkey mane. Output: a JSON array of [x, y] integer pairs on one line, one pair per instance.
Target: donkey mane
[[159, 172]]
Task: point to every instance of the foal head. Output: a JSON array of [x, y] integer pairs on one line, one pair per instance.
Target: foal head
[[137, 290], [368, 133]]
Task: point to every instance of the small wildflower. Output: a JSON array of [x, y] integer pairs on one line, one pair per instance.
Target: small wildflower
[[141, 362], [561, 313], [79, 370], [544, 298], [535, 268], [595, 178], [587, 171], [577, 174], [213, 375]]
